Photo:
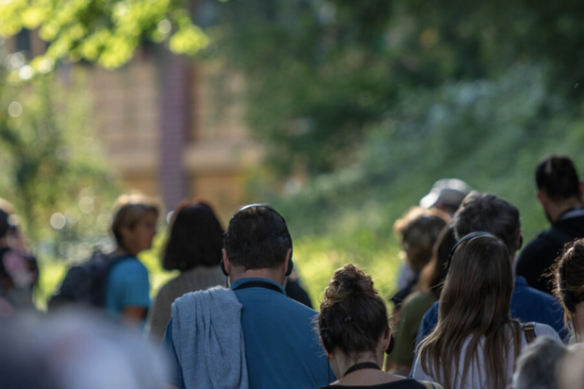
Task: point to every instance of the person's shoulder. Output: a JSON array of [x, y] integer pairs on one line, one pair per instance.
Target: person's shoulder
[[129, 269], [129, 263], [168, 287], [419, 303], [535, 294], [545, 330], [433, 310], [534, 247], [297, 308], [425, 297]]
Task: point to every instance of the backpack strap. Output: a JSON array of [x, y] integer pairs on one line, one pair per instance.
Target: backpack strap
[[529, 332], [431, 385]]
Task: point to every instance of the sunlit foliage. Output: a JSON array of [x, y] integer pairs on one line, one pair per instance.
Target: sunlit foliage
[[105, 32]]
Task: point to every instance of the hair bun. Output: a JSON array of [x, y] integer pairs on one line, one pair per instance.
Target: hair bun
[[347, 282]]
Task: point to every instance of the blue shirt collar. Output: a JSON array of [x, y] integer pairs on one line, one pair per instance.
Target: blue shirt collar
[[249, 279], [520, 280]]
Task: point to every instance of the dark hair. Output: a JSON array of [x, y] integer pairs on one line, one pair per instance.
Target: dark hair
[[352, 313], [571, 263], [4, 225], [433, 275], [257, 238], [480, 272], [489, 213], [195, 238], [557, 177]]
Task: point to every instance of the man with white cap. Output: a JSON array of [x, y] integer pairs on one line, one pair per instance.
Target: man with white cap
[[446, 195]]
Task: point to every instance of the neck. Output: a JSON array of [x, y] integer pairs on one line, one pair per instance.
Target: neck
[[275, 275], [341, 363], [123, 250], [555, 210], [578, 323], [3, 243]]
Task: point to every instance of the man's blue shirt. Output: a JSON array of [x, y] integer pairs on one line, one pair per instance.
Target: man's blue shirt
[[281, 345], [527, 305]]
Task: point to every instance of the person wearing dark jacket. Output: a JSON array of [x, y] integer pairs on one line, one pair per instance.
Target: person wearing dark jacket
[[560, 195]]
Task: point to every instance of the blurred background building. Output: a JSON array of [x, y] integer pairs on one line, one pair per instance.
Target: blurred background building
[[171, 127]]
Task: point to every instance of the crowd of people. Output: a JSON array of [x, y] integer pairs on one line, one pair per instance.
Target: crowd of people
[[467, 313]]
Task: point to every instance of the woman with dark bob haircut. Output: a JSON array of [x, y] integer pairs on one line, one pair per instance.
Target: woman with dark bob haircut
[[193, 248], [354, 330]]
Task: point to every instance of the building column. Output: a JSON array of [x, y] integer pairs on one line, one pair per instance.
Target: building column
[[175, 104]]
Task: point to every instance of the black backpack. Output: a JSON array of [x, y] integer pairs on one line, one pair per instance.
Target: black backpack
[[86, 282]]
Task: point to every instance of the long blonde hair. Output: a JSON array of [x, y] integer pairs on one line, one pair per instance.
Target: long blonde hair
[[474, 308]]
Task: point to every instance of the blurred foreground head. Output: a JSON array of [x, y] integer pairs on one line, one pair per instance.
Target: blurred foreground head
[[76, 349], [570, 373], [537, 366]]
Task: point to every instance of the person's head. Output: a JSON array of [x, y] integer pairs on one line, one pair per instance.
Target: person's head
[[474, 305], [556, 176], [257, 238], [537, 365], [446, 195], [6, 210], [570, 372], [195, 239], [353, 319], [134, 222], [86, 350], [418, 230], [489, 213], [433, 275], [568, 278]]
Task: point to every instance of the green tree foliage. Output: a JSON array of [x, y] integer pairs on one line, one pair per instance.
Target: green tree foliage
[[106, 32], [52, 165], [321, 73]]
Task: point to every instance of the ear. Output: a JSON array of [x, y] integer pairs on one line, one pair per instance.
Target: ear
[[543, 198], [581, 187], [286, 261], [386, 339], [519, 241], [226, 262], [330, 355]]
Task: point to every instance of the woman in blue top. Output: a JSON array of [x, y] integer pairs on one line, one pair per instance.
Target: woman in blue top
[[128, 287]]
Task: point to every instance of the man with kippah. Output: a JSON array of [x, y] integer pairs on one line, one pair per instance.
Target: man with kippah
[[250, 335], [559, 191]]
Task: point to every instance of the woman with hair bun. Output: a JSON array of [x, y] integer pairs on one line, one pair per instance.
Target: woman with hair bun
[[568, 276], [354, 330]]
